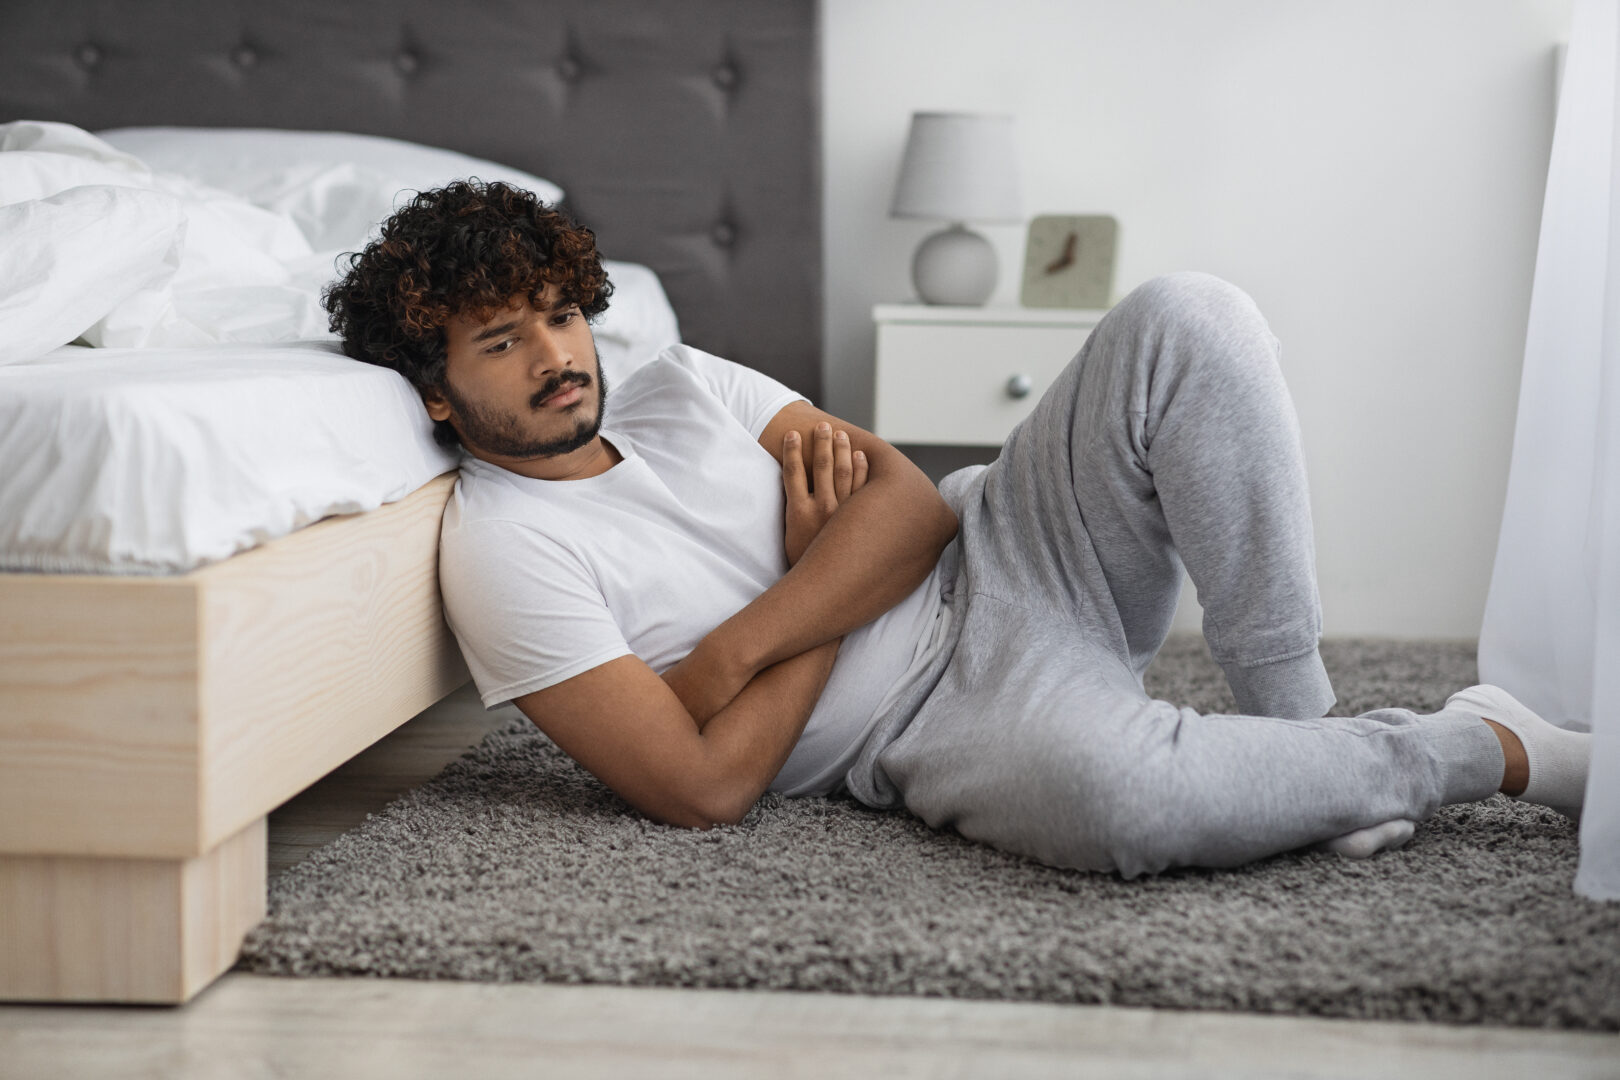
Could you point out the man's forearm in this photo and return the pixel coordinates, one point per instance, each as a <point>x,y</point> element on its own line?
<point>750,739</point>
<point>879,547</point>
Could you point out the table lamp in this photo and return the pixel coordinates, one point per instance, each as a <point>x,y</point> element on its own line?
<point>958,167</point>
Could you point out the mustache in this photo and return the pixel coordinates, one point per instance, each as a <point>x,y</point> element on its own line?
<point>567,378</point>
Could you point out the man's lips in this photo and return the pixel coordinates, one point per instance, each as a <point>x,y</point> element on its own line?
<point>566,396</point>
<point>563,396</point>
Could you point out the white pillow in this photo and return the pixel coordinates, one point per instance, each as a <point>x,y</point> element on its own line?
<point>338,187</point>
<point>638,324</point>
<point>71,258</point>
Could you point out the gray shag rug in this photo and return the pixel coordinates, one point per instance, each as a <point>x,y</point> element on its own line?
<point>516,865</point>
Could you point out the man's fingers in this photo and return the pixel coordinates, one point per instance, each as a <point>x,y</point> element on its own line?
<point>821,462</point>
<point>843,466</point>
<point>793,480</point>
<point>859,466</point>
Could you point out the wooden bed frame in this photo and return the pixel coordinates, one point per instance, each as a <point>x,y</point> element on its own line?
<point>152,723</point>
<point>148,725</point>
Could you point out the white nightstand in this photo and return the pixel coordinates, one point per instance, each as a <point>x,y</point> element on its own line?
<point>960,376</point>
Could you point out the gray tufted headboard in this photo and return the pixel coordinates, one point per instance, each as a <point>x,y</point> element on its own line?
<point>686,134</point>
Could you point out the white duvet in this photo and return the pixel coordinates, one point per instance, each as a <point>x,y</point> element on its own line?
<point>169,391</point>
<point>159,460</point>
<point>218,270</point>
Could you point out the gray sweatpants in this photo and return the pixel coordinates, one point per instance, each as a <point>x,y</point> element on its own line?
<point>1169,440</point>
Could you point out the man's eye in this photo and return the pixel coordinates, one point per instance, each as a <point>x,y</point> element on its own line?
<point>563,318</point>
<point>504,346</point>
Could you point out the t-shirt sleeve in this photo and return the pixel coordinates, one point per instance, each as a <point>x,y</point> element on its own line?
<point>753,397</point>
<point>526,611</point>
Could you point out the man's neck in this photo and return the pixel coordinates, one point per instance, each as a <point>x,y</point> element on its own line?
<point>593,459</point>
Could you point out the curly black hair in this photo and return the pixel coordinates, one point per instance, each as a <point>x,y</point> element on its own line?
<point>464,249</point>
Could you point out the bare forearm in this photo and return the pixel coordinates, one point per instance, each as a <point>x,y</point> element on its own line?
<point>866,557</point>
<point>749,740</point>
<point>878,548</point>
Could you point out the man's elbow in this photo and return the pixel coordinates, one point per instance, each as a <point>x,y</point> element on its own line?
<point>726,812</point>
<point>706,822</point>
<point>699,822</point>
<point>925,509</point>
<point>946,522</point>
<point>938,522</point>
<point>939,518</point>
<point>707,809</point>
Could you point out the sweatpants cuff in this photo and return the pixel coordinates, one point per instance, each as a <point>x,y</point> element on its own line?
<point>1469,753</point>
<point>1296,689</point>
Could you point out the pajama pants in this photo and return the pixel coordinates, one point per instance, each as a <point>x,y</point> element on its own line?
<point>1169,440</point>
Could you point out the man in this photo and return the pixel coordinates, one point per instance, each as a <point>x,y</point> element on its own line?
<point>711,588</point>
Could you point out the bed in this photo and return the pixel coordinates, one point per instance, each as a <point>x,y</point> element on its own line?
<point>153,713</point>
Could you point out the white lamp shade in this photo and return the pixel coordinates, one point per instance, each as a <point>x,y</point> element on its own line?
<point>959,167</point>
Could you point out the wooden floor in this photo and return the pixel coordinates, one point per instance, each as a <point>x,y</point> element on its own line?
<point>250,1026</point>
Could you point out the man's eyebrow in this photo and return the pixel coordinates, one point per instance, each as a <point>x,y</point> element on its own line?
<point>494,331</point>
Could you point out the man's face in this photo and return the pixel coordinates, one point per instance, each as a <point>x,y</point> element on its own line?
<point>524,384</point>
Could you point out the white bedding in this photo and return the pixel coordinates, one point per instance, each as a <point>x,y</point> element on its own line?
<point>237,419</point>
<point>159,460</point>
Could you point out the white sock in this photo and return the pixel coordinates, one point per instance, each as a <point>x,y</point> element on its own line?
<point>1559,759</point>
<point>1364,842</point>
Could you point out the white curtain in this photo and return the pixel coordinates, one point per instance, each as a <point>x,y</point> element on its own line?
<point>1551,634</point>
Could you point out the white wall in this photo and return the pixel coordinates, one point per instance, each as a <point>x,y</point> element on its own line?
<point>1371,172</point>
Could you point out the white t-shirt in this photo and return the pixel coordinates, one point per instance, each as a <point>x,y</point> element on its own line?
<point>545,579</point>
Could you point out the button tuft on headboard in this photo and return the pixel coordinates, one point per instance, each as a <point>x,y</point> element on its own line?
<point>407,62</point>
<point>245,56</point>
<point>569,69</point>
<point>724,234</point>
<point>726,76</point>
<point>88,55</point>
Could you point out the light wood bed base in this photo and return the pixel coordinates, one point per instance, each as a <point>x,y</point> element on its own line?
<point>149,724</point>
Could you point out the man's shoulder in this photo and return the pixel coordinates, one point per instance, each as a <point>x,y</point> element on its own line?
<point>671,371</point>
<point>749,396</point>
<point>679,364</point>
<point>687,362</point>
<point>502,554</point>
<point>486,507</point>
<point>683,381</point>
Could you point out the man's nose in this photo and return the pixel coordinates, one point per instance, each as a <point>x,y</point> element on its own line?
<point>553,354</point>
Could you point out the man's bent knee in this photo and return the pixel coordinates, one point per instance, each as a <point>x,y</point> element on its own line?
<point>1185,289</point>
<point>1189,298</point>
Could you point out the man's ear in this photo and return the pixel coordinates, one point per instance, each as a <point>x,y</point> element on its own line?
<point>438,406</point>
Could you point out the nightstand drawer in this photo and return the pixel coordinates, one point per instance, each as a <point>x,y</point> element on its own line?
<point>957,385</point>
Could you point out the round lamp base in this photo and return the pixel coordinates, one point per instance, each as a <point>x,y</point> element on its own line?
<point>954,266</point>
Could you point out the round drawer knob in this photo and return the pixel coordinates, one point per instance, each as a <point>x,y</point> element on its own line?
<point>1019,386</point>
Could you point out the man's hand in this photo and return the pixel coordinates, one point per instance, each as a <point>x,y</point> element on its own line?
<point>706,679</point>
<point>811,502</point>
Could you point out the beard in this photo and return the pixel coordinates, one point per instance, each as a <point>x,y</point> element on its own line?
<point>500,433</point>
